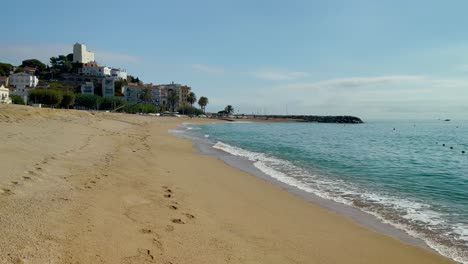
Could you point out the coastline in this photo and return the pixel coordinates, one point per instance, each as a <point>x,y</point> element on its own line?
<point>124,190</point>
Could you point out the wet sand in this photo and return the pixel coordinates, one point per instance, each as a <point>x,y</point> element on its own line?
<point>80,187</point>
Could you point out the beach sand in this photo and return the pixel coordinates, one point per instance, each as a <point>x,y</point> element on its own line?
<point>81,187</point>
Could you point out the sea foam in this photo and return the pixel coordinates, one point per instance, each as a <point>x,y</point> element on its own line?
<point>414,217</point>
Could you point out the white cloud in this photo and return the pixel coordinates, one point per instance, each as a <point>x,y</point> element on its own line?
<point>390,96</point>
<point>215,70</point>
<point>279,75</point>
<point>357,82</point>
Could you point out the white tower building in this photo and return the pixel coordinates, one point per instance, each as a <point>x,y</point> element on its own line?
<point>81,55</point>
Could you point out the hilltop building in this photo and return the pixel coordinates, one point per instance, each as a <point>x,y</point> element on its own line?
<point>108,87</point>
<point>119,73</point>
<point>22,80</point>
<point>94,69</point>
<point>87,88</point>
<point>81,54</point>
<point>4,95</point>
<point>22,84</point>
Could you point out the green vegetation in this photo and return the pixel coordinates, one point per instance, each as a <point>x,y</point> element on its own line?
<point>68,99</point>
<point>35,63</point>
<point>118,87</point>
<point>16,99</point>
<point>108,103</point>
<point>190,110</point>
<point>88,101</point>
<point>172,100</point>
<point>132,79</point>
<point>63,87</point>
<point>229,109</point>
<point>5,69</point>
<point>146,95</point>
<point>141,108</point>
<point>48,97</point>
<point>203,102</point>
<point>60,64</point>
<point>192,98</point>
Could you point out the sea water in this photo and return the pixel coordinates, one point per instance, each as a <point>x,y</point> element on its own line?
<point>410,174</point>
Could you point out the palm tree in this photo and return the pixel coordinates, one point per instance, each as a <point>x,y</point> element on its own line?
<point>192,98</point>
<point>172,99</point>
<point>203,101</point>
<point>229,109</point>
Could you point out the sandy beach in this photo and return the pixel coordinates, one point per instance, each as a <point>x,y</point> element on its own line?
<point>81,187</point>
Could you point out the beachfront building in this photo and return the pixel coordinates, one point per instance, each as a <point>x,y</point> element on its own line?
<point>120,74</point>
<point>160,94</point>
<point>4,81</point>
<point>108,87</point>
<point>94,69</point>
<point>23,80</point>
<point>182,92</point>
<point>81,54</point>
<point>4,95</point>
<point>87,88</point>
<point>132,92</point>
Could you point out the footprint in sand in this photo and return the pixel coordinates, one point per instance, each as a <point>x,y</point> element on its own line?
<point>167,195</point>
<point>146,231</point>
<point>178,221</point>
<point>6,191</point>
<point>169,228</point>
<point>173,207</point>
<point>27,178</point>
<point>189,216</point>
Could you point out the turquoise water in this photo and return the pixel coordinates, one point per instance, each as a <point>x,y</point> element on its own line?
<point>400,172</point>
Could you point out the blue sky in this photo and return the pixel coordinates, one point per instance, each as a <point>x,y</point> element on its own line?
<point>373,59</point>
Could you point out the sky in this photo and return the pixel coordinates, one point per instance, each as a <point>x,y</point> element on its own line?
<point>373,59</point>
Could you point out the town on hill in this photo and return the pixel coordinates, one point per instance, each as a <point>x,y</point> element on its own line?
<point>77,80</point>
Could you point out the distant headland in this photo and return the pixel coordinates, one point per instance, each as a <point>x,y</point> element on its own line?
<point>305,118</point>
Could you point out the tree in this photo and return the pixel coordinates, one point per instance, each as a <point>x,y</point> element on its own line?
<point>68,99</point>
<point>16,99</point>
<point>146,95</point>
<point>35,63</point>
<point>192,98</point>
<point>5,69</point>
<point>61,65</point>
<point>190,110</point>
<point>51,98</point>
<point>203,102</point>
<point>141,108</point>
<point>62,86</point>
<point>109,103</point>
<point>229,109</point>
<point>172,99</point>
<point>88,101</point>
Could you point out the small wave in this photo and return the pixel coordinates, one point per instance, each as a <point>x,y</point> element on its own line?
<point>414,217</point>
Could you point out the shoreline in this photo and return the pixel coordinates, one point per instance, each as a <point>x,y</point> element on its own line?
<point>358,216</point>
<point>116,188</point>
